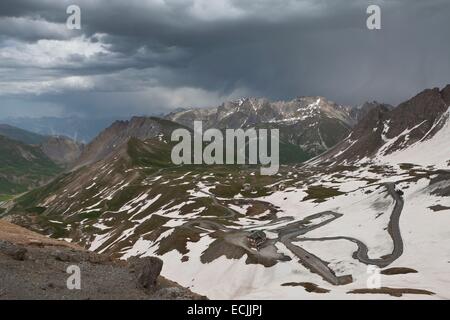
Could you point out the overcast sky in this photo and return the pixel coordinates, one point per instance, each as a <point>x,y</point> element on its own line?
<point>140,57</point>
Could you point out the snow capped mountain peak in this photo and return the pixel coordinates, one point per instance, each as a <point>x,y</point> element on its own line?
<point>313,123</point>
<point>315,104</point>
<point>261,110</point>
<point>241,101</point>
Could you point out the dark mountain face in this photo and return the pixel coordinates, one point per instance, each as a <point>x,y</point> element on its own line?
<point>421,111</point>
<point>361,111</point>
<point>383,130</point>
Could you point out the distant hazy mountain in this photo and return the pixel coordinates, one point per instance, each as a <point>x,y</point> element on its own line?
<point>79,129</point>
<point>60,149</point>
<point>29,160</point>
<point>23,166</point>
<point>21,135</point>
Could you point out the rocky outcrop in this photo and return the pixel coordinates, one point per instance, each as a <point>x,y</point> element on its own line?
<point>146,270</point>
<point>15,252</point>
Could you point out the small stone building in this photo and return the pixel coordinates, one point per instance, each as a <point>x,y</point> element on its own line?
<point>256,239</point>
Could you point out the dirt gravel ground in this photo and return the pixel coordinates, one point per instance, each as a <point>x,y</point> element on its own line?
<point>15,234</point>
<point>35,267</point>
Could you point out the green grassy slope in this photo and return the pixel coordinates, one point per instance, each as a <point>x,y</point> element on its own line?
<point>23,167</point>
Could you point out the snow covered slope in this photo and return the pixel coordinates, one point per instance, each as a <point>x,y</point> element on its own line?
<point>432,150</point>
<point>414,132</point>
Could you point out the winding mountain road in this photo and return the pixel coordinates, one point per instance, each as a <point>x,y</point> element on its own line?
<point>291,232</point>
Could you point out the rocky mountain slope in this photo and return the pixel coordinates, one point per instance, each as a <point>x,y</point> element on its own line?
<point>120,132</point>
<point>62,150</point>
<point>386,133</point>
<point>314,124</point>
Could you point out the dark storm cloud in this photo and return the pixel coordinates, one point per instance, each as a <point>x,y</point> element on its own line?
<point>150,56</point>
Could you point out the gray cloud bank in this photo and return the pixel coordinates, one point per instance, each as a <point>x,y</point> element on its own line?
<point>148,57</point>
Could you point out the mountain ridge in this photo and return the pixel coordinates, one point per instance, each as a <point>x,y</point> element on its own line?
<point>21,135</point>
<point>314,124</point>
<point>120,132</point>
<point>384,131</point>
